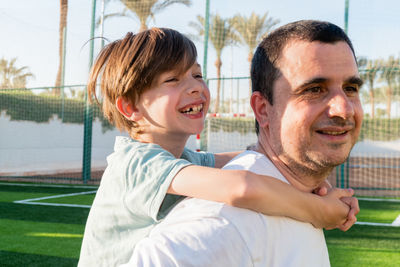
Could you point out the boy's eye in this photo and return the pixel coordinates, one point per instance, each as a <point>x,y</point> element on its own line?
<point>172,79</point>
<point>198,76</point>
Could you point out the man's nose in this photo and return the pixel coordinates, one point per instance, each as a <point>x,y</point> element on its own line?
<point>340,105</point>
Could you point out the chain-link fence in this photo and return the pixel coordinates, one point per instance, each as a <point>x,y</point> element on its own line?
<point>50,133</point>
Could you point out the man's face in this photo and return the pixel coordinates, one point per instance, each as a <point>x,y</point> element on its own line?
<point>316,114</point>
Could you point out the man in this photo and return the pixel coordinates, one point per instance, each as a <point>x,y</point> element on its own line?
<point>308,117</point>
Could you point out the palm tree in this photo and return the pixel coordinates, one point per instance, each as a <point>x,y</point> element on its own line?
<point>221,35</point>
<point>11,76</point>
<point>252,29</point>
<point>61,29</point>
<point>145,10</point>
<point>369,70</point>
<point>389,75</point>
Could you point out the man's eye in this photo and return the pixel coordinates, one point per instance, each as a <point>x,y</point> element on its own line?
<point>198,76</point>
<point>314,89</point>
<point>351,89</point>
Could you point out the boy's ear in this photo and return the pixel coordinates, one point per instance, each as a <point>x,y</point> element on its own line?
<point>261,107</point>
<point>126,108</point>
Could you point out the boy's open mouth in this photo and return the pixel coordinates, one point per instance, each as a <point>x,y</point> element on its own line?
<point>192,109</point>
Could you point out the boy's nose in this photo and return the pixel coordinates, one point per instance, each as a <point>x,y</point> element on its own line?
<point>196,87</point>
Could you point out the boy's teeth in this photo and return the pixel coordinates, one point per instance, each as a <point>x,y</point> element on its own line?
<point>193,110</point>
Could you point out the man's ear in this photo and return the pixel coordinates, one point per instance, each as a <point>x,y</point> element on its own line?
<point>126,108</point>
<point>260,106</point>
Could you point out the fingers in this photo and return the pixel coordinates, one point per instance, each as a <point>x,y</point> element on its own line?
<point>321,191</point>
<point>352,202</point>
<point>342,193</point>
<point>349,223</point>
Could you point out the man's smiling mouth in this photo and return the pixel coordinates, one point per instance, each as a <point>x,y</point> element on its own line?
<point>332,132</point>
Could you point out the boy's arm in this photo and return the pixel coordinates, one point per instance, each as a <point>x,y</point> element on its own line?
<point>263,194</point>
<point>221,159</point>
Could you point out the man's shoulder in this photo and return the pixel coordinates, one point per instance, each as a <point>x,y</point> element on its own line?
<point>200,209</point>
<point>255,162</point>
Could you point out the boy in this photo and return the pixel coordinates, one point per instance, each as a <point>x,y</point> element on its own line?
<point>152,87</point>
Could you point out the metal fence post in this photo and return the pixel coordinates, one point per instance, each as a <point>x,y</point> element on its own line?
<point>63,73</point>
<point>88,121</point>
<point>206,29</point>
<point>344,176</point>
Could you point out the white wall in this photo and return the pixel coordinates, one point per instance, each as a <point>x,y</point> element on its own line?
<point>28,148</point>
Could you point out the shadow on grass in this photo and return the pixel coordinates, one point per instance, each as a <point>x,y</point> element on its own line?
<point>39,213</point>
<point>12,259</point>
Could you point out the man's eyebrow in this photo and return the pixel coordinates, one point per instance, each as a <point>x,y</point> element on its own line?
<point>313,81</point>
<point>317,80</point>
<point>355,80</point>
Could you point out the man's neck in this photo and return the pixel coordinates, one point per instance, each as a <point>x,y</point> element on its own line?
<point>301,178</point>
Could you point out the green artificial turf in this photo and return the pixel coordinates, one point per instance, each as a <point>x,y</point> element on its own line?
<point>37,235</point>
<point>388,211</point>
<point>364,246</point>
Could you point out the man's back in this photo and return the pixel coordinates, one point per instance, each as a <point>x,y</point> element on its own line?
<point>205,233</point>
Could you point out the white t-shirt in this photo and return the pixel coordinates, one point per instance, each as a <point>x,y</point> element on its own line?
<point>205,233</point>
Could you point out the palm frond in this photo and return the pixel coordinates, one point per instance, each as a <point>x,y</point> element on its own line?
<point>164,4</point>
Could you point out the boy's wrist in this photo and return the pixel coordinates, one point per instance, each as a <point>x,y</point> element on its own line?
<point>316,210</point>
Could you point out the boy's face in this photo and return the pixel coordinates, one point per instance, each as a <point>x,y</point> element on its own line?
<point>175,104</point>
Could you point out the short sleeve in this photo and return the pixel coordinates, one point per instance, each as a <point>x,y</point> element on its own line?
<point>199,158</point>
<point>149,175</point>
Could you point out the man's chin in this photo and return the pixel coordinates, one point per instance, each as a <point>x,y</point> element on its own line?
<point>331,162</point>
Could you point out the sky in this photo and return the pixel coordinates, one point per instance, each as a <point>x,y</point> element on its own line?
<point>29,30</point>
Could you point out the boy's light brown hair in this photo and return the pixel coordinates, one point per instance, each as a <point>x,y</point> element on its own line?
<point>130,66</point>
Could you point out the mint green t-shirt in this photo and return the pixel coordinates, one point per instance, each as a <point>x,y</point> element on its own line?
<point>131,199</point>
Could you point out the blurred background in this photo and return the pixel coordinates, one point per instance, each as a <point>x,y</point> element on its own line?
<point>33,32</point>
<point>49,131</point>
<point>54,144</point>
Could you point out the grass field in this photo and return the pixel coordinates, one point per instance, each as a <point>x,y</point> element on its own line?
<point>33,233</point>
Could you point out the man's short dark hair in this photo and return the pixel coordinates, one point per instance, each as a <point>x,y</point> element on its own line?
<point>264,70</point>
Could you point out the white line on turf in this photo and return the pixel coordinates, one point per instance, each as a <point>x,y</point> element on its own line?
<point>378,199</point>
<point>56,204</point>
<point>50,185</point>
<point>31,201</point>
<point>55,196</point>
<point>397,221</point>
<point>377,224</point>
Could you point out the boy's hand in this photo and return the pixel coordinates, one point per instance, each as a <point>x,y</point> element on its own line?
<point>351,202</point>
<point>351,217</point>
<point>335,211</point>
<point>323,188</point>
